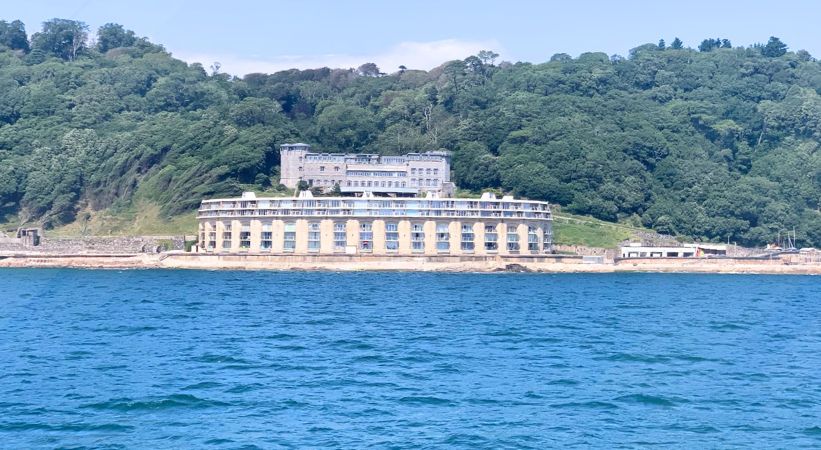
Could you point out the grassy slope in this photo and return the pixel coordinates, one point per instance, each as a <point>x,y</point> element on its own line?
<point>589,232</point>
<point>143,218</point>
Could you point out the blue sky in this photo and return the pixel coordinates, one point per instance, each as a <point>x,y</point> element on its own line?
<point>265,36</point>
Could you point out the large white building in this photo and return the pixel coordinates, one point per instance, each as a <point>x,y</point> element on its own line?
<point>368,225</point>
<point>406,175</point>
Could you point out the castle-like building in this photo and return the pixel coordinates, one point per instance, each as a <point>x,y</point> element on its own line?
<point>389,205</point>
<point>406,175</point>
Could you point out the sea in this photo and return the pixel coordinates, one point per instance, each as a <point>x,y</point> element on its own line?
<point>245,360</point>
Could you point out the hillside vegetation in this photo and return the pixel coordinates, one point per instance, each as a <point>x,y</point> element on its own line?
<point>715,143</point>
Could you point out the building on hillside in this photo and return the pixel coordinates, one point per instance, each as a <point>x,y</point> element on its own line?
<point>637,250</point>
<point>369,225</point>
<point>406,175</point>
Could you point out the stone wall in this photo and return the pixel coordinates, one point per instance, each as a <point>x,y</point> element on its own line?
<point>99,245</point>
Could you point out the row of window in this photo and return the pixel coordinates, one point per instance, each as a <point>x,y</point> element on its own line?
<point>377,184</point>
<point>366,237</point>
<point>379,173</point>
<point>425,171</point>
<point>374,203</point>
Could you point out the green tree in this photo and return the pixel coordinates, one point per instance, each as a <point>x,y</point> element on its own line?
<point>677,44</point>
<point>774,48</point>
<point>13,35</point>
<point>112,35</point>
<point>62,38</point>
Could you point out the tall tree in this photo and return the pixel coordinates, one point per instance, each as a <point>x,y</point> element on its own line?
<point>368,70</point>
<point>61,37</point>
<point>662,45</point>
<point>774,48</point>
<point>13,35</point>
<point>488,57</point>
<point>113,35</point>
<point>677,44</point>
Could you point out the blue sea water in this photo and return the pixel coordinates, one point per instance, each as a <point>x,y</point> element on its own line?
<point>199,359</point>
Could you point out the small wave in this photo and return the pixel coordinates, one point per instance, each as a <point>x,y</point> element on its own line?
<point>238,389</point>
<point>280,337</point>
<point>562,382</point>
<point>172,401</point>
<point>223,359</point>
<point>629,357</point>
<point>426,400</point>
<point>292,348</point>
<point>590,405</point>
<point>79,427</point>
<point>202,385</point>
<point>813,431</point>
<point>729,326</point>
<point>352,344</point>
<point>645,399</point>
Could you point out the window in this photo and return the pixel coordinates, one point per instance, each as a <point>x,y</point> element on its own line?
<point>289,238</point>
<point>340,238</point>
<point>532,239</point>
<point>391,236</point>
<point>413,171</point>
<point>417,237</point>
<point>321,168</point>
<point>365,236</point>
<point>427,171</point>
<point>512,239</point>
<point>212,240</point>
<point>413,181</point>
<point>548,239</point>
<point>491,238</point>
<point>267,236</point>
<point>436,171</point>
<point>313,237</point>
<point>442,237</point>
<point>467,237</point>
<point>245,237</point>
<point>336,169</point>
<point>226,236</point>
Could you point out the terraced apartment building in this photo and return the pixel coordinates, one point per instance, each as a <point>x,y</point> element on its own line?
<point>369,225</point>
<point>405,175</point>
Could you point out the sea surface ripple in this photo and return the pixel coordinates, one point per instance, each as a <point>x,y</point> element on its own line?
<point>201,359</point>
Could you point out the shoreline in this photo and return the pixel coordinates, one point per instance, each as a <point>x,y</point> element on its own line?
<point>344,263</point>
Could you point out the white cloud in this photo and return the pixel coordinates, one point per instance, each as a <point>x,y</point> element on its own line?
<point>413,55</point>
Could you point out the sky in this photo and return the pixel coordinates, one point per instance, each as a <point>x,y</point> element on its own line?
<point>267,36</point>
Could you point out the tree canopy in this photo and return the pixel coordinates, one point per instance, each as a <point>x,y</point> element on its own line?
<point>713,145</point>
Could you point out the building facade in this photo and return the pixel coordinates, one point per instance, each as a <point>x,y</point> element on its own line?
<point>409,174</point>
<point>375,226</point>
<point>637,250</point>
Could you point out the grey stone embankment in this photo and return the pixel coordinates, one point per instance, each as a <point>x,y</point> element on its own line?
<point>545,264</point>
<point>96,245</point>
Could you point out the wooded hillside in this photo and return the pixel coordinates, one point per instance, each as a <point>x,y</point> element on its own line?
<point>712,143</point>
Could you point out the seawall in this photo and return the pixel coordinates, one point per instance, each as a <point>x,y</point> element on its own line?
<point>522,263</point>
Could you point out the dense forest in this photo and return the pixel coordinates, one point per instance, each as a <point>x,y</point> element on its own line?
<point>713,143</point>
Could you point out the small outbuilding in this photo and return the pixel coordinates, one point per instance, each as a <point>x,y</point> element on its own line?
<point>637,250</point>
